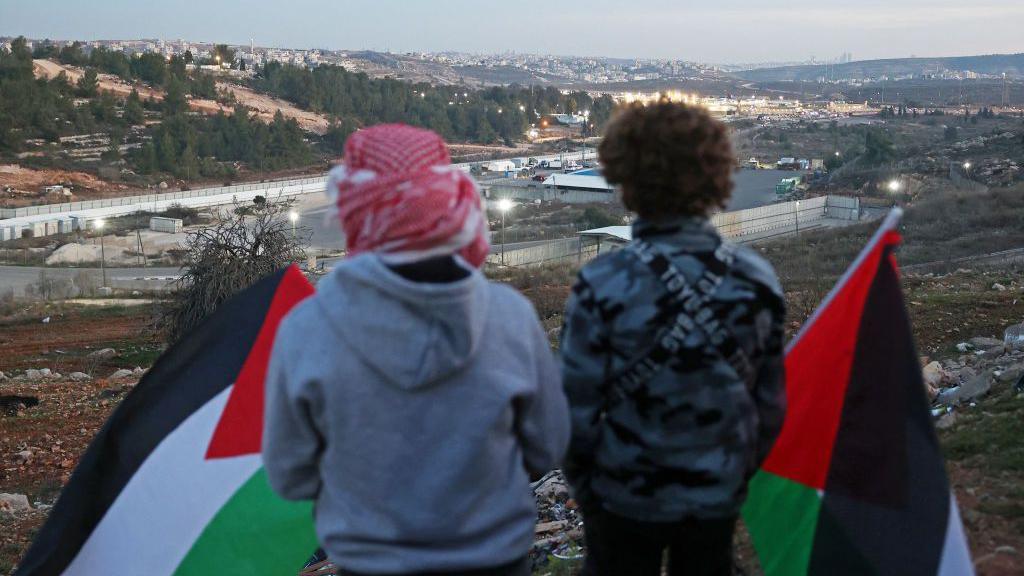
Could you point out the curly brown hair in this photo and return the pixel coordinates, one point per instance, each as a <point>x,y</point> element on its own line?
<point>669,160</point>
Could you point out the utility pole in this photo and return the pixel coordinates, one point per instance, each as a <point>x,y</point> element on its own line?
<point>504,205</point>
<point>98,225</point>
<point>142,249</point>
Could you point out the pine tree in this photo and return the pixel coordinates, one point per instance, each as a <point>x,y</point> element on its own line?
<point>133,111</point>
<point>167,152</point>
<point>146,161</point>
<point>485,133</point>
<point>188,163</point>
<point>88,84</point>
<point>174,99</point>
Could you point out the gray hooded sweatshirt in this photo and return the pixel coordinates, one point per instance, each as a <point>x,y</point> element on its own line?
<point>412,414</point>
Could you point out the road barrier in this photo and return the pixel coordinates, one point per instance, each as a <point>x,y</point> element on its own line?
<point>50,220</point>
<point>184,195</point>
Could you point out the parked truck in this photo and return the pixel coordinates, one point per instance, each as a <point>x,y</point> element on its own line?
<point>786,186</point>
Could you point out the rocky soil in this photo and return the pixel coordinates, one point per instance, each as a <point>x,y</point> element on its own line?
<point>63,377</point>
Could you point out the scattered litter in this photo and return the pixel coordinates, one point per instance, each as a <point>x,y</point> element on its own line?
<point>559,529</point>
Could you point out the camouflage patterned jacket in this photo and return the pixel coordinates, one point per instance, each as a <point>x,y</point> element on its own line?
<point>685,443</point>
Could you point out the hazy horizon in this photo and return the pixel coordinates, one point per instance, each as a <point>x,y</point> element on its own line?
<point>655,29</point>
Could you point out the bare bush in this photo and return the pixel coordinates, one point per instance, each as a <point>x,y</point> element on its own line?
<point>227,257</point>
<point>87,283</point>
<point>526,277</point>
<point>7,304</point>
<point>50,288</point>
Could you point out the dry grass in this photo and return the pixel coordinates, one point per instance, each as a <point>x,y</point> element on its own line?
<point>941,224</point>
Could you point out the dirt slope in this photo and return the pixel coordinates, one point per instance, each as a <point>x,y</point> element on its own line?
<point>264,106</point>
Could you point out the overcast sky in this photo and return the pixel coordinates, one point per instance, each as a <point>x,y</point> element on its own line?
<point>717,31</point>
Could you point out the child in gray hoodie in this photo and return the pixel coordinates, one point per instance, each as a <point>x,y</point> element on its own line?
<point>410,397</point>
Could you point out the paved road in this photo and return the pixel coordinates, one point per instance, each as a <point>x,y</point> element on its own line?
<point>755,187</point>
<point>314,210</point>
<point>17,278</point>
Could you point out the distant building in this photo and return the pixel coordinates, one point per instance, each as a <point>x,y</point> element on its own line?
<point>600,240</point>
<point>569,119</point>
<point>580,186</point>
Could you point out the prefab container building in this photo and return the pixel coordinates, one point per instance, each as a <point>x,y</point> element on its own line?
<point>169,225</point>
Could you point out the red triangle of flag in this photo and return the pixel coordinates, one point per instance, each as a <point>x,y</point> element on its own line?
<point>818,365</point>
<point>240,429</point>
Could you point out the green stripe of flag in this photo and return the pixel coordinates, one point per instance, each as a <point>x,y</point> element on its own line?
<point>255,533</point>
<point>781,516</point>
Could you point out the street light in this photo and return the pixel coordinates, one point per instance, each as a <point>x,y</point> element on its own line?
<point>504,205</point>
<point>294,217</point>
<point>967,165</point>
<point>894,185</point>
<point>796,215</point>
<point>98,224</point>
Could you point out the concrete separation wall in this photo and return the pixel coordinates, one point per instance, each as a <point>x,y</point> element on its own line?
<point>748,225</point>
<point>180,197</point>
<point>542,253</point>
<point>765,218</point>
<point>52,219</point>
<point>533,191</point>
<point>797,214</point>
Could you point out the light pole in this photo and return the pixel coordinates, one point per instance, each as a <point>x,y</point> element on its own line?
<point>504,205</point>
<point>98,225</point>
<point>796,216</point>
<point>294,217</point>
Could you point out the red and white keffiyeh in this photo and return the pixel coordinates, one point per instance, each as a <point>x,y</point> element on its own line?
<point>399,195</point>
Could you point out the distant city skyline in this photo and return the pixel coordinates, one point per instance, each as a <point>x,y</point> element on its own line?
<point>737,31</point>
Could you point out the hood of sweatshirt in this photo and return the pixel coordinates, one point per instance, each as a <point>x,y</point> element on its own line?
<point>411,333</point>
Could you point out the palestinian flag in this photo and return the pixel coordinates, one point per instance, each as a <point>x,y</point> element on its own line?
<point>174,482</point>
<point>855,483</point>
